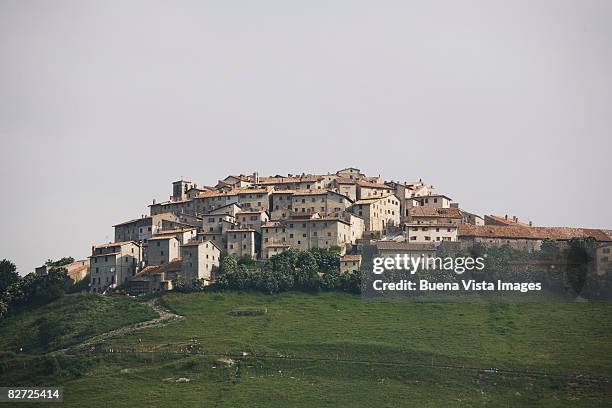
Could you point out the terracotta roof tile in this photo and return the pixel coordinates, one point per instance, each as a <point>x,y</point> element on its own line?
<point>519,231</point>
<point>405,246</point>
<point>435,212</point>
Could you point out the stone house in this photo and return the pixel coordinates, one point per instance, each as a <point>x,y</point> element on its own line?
<point>367,189</point>
<point>112,264</point>
<point>325,202</point>
<point>141,229</point>
<point>435,200</point>
<point>414,250</point>
<point>379,213</point>
<point>350,263</point>
<point>524,238</point>
<point>200,260</point>
<point>425,233</point>
<point>161,249</point>
<point>243,242</point>
<point>280,204</point>
<point>433,215</point>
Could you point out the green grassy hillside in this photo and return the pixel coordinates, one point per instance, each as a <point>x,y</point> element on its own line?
<point>329,349</point>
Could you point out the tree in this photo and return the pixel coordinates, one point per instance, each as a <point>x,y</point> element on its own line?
<point>60,262</point>
<point>227,264</point>
<point>580,255</point>
<point>268,281</point>
<point>246,260</point>
<point>8,275</point>
<point>549,250</point>
<point>306,273</point>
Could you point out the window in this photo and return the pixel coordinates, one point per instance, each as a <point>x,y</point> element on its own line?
<point>303,235</point>
<point>413,238</point>
<point>427,238</point>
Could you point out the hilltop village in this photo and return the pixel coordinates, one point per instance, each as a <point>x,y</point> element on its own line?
<point>258,217</point>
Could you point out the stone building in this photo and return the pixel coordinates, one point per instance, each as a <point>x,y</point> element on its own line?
<point>346,187</point>
<point>524,238</point>
<point>251,199</point>
<point>505,220</point>
<point>351,173</point>
<point>350,263</point>
<point>154,279</point>
<point>207,202</point>
<point>180,189</point>
<point>434,215</point>
<point>325,202</point>
<point>183,235</point>
<point>414,250</point>
<point>425,233</point>
<point>141,229</point>
<point>161,249</point>
<point>112,264</point>
<point>379,213</point>
<point>243,242</point>
<point>76,271</point>
<point>252,219</point>
<point>273,249</point>
<point>435,200</point>
<point>280,204</point>
<point>367,189</point>
<point>200,260</point>
<point>218,223</point>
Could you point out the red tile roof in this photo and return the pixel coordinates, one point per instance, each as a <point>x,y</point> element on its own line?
<point>523,232</point>
<point>435,212</point>
<point>404,246</point>
<point>350,258</point>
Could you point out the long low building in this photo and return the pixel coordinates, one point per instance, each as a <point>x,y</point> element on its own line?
<point>525,237</point>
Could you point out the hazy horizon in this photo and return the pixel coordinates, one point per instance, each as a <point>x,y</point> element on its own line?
<point>506,107</point>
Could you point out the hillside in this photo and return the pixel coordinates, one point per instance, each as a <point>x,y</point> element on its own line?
<point>328,349</point>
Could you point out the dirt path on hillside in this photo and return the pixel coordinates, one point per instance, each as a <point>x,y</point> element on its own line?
<point>165,317</point>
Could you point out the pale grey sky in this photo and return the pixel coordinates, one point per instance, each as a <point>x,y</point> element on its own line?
<point>506,106</point>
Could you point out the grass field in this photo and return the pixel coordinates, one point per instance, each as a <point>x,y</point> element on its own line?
<point>328,349</point>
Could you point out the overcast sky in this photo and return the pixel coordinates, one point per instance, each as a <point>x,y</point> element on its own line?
<point>506,106</point>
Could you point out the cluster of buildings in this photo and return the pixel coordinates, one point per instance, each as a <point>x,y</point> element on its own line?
<point>259,217</point>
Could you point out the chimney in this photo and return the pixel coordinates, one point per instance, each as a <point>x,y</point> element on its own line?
<point>255,177</point>
<point>153,201</point>
<point>530,224</point>
<point>506,216</point>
